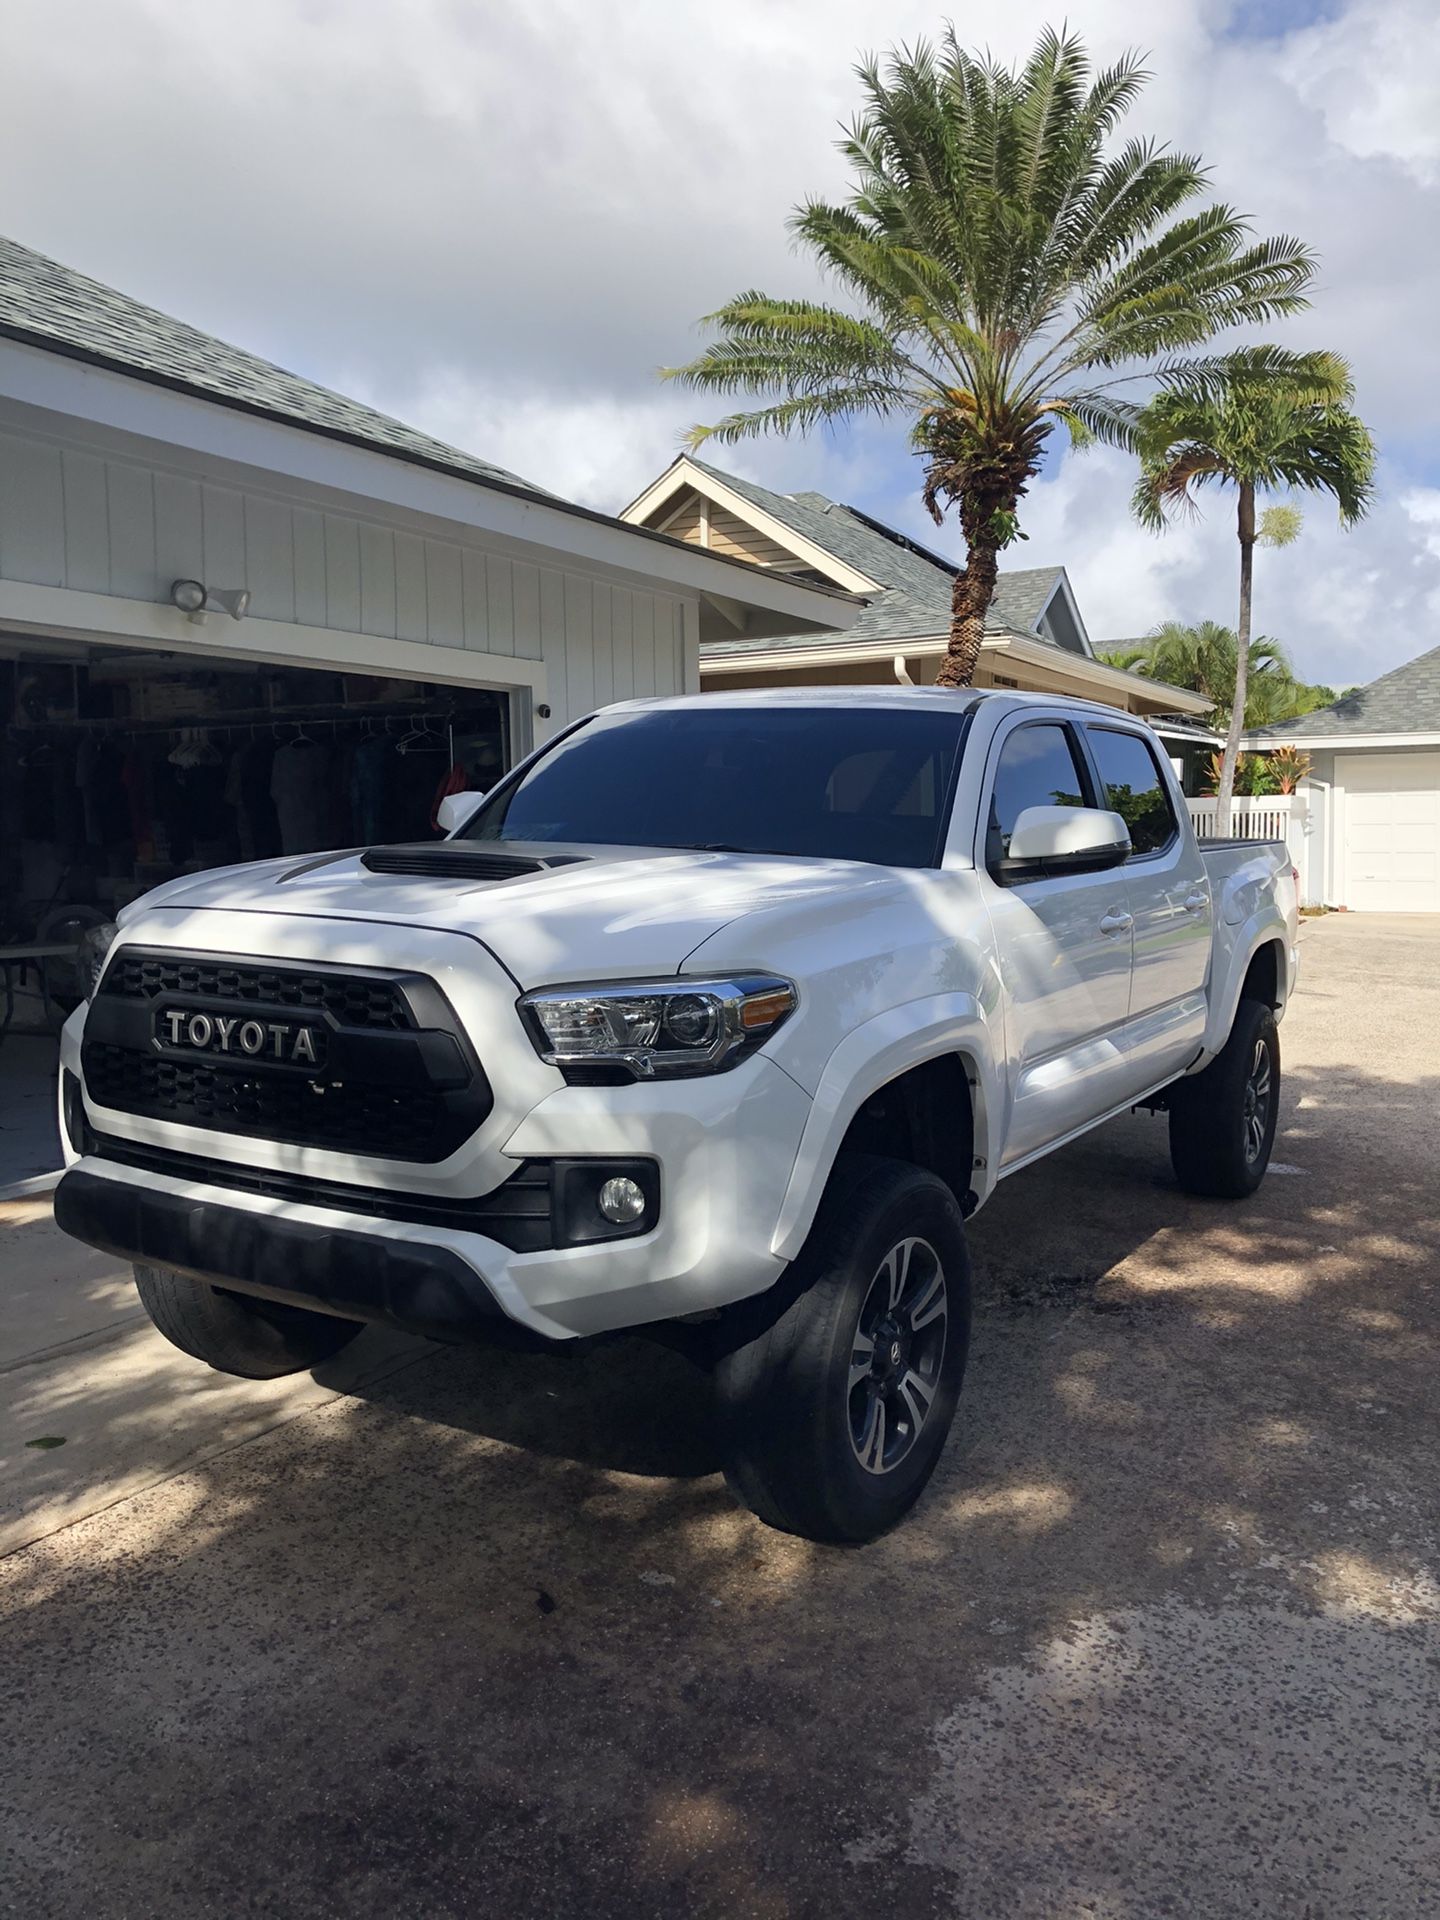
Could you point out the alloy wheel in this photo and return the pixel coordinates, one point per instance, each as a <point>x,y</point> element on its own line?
<point>1256,1106</point>
<point>897,1355</point>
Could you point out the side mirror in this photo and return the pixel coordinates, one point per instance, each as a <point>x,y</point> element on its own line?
<point>1053,840</point>
<point>455,810</point>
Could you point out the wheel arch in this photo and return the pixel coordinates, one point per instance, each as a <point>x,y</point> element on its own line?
<point>1256,967</point>
<point>930,1095</point>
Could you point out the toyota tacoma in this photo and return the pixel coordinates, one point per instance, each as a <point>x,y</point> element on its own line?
<point>716,1018</point>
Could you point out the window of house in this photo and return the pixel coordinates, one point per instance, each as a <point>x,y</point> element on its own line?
<point>1037,768</point>
<point>1134,787</point>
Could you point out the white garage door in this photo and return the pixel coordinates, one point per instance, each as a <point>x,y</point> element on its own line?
<point>1392,832</point>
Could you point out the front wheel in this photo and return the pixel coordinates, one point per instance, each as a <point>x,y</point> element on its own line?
<point>1222,1121</point>
<point>257,1339</point>
<point>835,1413</point>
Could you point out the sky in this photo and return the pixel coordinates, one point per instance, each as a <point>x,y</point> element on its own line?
<point>497,221</point>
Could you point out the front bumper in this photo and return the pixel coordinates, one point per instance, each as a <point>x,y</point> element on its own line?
<point>724,1149</point>
<point>357,1275</point>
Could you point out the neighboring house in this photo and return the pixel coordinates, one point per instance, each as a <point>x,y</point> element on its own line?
<point>1374,791</point>
<point>1035,638</point>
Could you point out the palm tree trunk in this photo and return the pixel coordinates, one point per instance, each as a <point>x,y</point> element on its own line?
<point>970,599</point>
<point>1245,526</point>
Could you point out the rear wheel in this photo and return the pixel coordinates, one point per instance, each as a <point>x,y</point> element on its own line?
<point>1222,1121</point>
<point>835,1412</point>
<point>257,1339</point>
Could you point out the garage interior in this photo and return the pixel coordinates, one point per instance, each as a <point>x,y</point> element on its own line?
<point>123,767</point>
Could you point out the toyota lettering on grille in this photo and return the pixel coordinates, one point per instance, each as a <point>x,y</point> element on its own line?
<point>288,1041</point>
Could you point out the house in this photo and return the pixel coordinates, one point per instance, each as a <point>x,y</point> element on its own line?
<point>1373,793</point>
<point>206,560</point>
<point>1035,638</point>
<point>241,614</point>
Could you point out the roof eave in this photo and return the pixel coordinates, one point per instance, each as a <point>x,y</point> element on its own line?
<point>770,601</point>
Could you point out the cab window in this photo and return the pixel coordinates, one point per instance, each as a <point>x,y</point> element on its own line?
<point>1037,768</point>
<point>1134,787</point>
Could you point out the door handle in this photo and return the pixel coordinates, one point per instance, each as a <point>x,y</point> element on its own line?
<point>1196,902</point>
<point>1116,923</point>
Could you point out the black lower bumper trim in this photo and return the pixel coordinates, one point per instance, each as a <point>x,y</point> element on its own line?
<point>360,1276</point>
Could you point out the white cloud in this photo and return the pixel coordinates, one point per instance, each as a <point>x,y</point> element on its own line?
<point>499,221</point>
<point>1373,74</point>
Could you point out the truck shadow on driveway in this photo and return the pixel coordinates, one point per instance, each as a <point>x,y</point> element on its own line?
<point>1098,1229</point>
<point>488,1635</point>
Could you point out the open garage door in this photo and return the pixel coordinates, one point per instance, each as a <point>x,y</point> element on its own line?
<point>1392,832</point>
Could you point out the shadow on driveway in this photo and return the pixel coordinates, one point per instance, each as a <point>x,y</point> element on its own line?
<point>488,1635</point>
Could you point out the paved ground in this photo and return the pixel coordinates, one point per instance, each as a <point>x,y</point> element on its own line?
<point>476,1634</point>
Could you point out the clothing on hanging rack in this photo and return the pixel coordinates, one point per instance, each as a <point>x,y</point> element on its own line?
<point>300,786</point>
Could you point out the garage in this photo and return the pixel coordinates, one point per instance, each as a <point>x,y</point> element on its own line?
<point>243,615</point>
<point>1371,800</point>
<point>1392,832</point>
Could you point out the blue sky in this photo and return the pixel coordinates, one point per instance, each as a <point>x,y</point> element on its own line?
<point>498,221</point>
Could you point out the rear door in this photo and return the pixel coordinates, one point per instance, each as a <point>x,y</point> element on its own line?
<point>1169,896</point>
<point>1062,943</point>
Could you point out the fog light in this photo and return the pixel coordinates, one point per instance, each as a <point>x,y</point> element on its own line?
<point>621,1200</point>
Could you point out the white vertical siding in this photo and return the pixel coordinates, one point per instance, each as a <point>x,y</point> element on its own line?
<point>32,513</point>
<point>99,525</point>
<point>134,567</point>
<point>87,522</point>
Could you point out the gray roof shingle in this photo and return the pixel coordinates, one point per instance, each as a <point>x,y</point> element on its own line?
<point>917,584</point>
<point>46,304</point>
<point>1405,700</point>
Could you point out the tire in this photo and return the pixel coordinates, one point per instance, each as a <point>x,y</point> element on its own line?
<point>1222,1121</point>
<point>257,1339</point>
<point>804,1447</point>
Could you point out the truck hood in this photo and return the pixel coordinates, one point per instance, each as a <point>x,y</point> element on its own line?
<point>614,913</point>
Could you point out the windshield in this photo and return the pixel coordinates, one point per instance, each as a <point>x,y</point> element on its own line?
<point>849,783</point>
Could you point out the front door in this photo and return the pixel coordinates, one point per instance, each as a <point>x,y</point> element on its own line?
<point>1169,894</point>
<point>1062,944</point>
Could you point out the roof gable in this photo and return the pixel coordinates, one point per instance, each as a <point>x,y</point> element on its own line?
<point>1405,700</point>
<point>43,303</point>
<point>909,586</point>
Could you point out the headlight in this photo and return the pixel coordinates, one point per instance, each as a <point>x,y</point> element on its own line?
<point>656,1029</point>
<point>90,960</point>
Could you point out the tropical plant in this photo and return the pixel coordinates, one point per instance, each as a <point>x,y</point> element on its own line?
<point>1251,778</point>
<point>1257,435</point>
<point>1007,272</point>
<point>1287,767</point>
<point>1201,657</point>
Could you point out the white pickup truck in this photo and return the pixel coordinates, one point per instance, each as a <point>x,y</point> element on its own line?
<point>716,1018</point>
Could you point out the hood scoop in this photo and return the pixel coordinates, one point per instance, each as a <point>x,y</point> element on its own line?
<point>451,860</point>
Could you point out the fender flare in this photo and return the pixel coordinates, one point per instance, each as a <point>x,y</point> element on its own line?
<point>868,1059</point>
<point>1262,929</point>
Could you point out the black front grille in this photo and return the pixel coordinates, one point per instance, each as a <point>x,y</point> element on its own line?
<point>355,1000</point>
<point>392,1076</point>
<point>347,1119</point>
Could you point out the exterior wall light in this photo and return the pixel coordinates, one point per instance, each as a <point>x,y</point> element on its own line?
<point>188,596</point>
<point>192,597</point>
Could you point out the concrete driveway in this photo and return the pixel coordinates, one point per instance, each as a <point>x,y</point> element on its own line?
<point>461,1633</point>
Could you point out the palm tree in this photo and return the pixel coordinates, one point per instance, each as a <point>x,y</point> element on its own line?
<point>1256,436</point>
<point>1202,658</point>
<point>1006,271</point>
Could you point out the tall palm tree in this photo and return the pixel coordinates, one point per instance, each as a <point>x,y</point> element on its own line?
<point>1202,658</point>
<point>1006,270</point>
<point>1257,436</point>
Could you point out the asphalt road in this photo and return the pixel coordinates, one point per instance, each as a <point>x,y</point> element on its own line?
<point>471,1634</point>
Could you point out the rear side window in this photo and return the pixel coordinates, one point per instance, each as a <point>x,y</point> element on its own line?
<point>1134,787</point>
<point>1037,768</point>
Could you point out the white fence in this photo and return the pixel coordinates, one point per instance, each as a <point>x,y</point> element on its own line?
<point>1272,816</point>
